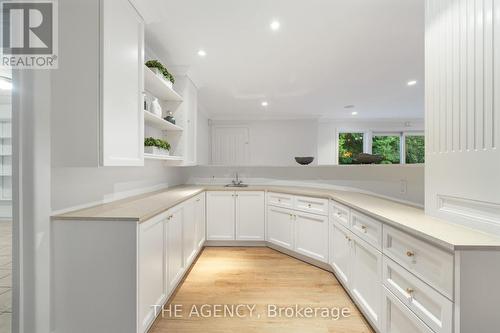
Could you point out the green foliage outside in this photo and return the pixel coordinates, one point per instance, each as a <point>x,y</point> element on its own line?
<point>415,149</point>
<point>159,143</point>
<point>350,145</point>
<point>387,147</point>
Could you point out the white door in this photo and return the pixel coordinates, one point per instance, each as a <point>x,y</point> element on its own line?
<point>189,232</point>
<point>174,248</point>
<point>230,146</point>
<point>122,127</point>
<point>366,278</point>
<point>151,269</point>
<point>397,318</point>
<point>280,228</point>
<point>220,215</point>
<point>311,235</point>
<point>341,252</point>
<point>250,215</point>
<point>200,220</point>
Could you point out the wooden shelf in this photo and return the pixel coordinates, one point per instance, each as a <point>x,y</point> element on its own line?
<point>157,122</point>
<point>162,157</point>
<point>158,88</point>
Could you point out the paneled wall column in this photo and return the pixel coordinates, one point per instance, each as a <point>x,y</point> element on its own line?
<point>463,112</point>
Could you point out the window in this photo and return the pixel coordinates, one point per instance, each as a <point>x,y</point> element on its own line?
<point>415,149</point>
<point>350,145</point>
<point>388,146</point>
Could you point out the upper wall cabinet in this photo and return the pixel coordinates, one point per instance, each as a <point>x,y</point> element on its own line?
<point>97,116</point>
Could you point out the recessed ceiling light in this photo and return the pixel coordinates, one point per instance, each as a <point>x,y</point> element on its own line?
<point>202,53</point>
<point>412,83</point>
<point>264,104</point>
<point>275,25</point>
<point>354,113</point>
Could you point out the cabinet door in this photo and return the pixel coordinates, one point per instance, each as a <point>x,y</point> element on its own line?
<point>200,220</point>
<point>174,248</point>
<point>151,269</point>
<point>122,127</point>
<point>366,278</point>
<point>220,215</point>
<point>311,235</point>
<point>280,227</point>
<point>189,232</point>
<point>397,318</point>
<point>341,251</point>
<point>250,215</point>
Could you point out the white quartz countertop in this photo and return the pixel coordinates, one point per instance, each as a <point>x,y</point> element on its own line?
<point>408,218</point>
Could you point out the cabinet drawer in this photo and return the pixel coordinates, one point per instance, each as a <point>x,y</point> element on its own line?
<point>340,213</point>
<point>312,205</point>
<point>430,306</point>
<point>280,199</point>
<point>367,228</point>
<point>397,318</point>
<point>429,263</point>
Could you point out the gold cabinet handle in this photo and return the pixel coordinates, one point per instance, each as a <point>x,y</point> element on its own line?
<point>410,291</point>
<point>363,228</point>
<point>410,253</point>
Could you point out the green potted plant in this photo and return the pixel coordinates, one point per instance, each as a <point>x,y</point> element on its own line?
<point>160,70</point>
<point>156,146</point>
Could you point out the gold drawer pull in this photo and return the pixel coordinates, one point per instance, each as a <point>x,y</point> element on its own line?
<point>363,228</point>
<point>410,291</point>
<point>410,253</point>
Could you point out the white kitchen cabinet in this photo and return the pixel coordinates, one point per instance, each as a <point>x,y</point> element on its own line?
<point>311,235</point>
<point>122,68</point>
<point>236,215</point>
<point>175,262</point>
<point>190,246</point>
<point>220,215</point>
<point>200,220</point>
<point>341,253</point>
<point>97,118</point>
<point>151,269</point>
<point>397,318</point>
<point>250,215</point>
<point>280,227</point>
<point>366,278</point>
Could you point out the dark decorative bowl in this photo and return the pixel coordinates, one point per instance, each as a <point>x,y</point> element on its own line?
<point>368,158</point>
<point>304,160</point>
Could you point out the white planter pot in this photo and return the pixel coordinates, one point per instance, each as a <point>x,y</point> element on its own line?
<point>160,75</point>
<point>156,151</point>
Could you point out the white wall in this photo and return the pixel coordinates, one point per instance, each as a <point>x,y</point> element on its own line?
<point>72,187</point>
<point>384,180</point>
<point>277,142</point>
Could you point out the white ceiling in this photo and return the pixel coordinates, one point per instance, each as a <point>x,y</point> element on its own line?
<point>326,55</point>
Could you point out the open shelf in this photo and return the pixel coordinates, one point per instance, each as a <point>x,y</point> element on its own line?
<point>158,88</point>
<point>157,122</point>
<point>162,157</point>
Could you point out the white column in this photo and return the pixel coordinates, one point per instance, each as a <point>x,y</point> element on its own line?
<point>463,112</point>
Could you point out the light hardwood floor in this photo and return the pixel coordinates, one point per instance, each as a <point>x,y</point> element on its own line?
<point>260,276</point>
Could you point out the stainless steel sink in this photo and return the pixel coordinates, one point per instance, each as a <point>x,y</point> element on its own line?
<point>236,185</point>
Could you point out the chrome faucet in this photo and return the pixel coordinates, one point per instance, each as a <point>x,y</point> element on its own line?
<point>237,180</point>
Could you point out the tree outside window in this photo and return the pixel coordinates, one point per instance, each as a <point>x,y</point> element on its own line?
<point>387,146</point>
<point>415,149</point>
<point>350,145</point>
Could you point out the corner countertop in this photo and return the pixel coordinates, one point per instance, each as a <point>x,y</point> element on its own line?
<point>408,218</point>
